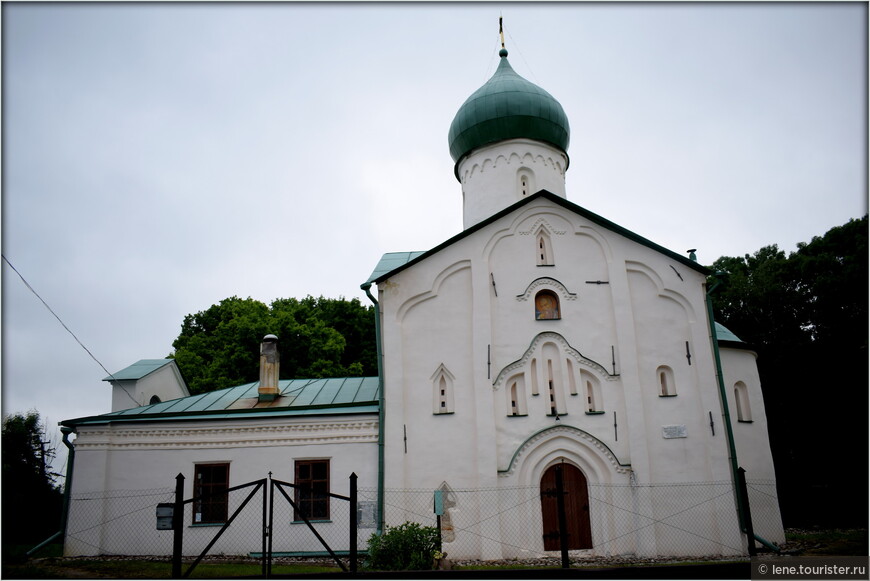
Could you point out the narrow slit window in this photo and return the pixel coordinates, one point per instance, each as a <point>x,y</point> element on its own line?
<point>551,388</point>
<point>592,391</point>
<point>442,391</point>
<point>534,374</point>
<point>543,249</point>
<point>524,183</point>
<point>741,398</point>
<point>572,382</point>
<point>590,397</point>
<point>517,396</point>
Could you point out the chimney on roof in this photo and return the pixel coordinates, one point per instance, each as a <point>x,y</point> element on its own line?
<point>269,363</point>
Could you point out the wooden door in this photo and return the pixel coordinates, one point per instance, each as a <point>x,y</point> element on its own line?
<point>576,508</point>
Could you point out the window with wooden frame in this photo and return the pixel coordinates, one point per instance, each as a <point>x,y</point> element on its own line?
<point>210,484</point>
<point>312,489</point>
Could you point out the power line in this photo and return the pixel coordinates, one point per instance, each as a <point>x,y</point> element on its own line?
<point>27,284</point>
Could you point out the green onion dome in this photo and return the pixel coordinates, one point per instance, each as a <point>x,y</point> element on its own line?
<point>507,106</point>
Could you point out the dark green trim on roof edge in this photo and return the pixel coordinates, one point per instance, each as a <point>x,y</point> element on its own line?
<point>736,345</point>
<point>591,216</point>
<point>369,407</point>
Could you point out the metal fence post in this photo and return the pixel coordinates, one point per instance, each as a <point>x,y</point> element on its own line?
<point>747,514</point>
<point>353,522</point>
<point>271,525</point>
<point>563,521</point>
<point>178,526</point>
<point>266,530</point>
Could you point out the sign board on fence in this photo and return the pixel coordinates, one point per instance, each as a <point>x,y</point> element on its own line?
<point>367,511</point>
<point>165,511</point>
<point>438,509</point>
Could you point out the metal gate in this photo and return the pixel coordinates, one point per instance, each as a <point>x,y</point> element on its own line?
<point>268,520</point>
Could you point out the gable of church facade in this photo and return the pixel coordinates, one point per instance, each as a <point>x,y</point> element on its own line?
<point>624,313</point>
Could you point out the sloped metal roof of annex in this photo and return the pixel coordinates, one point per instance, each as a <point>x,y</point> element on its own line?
<point>139,369</point>
<point>297,397</point>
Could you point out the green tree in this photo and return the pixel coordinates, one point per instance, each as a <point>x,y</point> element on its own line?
<point>806,316</point>
<point>32,500</point>
<point>318,337</point>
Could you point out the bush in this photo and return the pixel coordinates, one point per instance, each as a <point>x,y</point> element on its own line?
<point>407,547</point>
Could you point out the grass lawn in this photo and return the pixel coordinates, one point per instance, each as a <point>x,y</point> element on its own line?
<point>48,564</point>
<point>828,542</point>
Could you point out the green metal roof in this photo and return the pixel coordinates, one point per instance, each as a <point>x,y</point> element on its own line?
<point>336,395</point>
<point>723,334</point>
<point>139,369</point>
<point>507,106</point>
<point>391,261</point>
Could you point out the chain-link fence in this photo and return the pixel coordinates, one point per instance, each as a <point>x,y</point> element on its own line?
<point>121,522</point>
<point>690,519</point>
<point>125,523</point>
<point>686,519</point>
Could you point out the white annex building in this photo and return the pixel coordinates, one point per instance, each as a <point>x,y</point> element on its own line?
<point>543,336</point>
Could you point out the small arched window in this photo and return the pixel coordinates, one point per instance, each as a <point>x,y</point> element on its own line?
<point>741,398</point>
<point>592,393</point>
<point>517,396</point>
<point>524,182</point>
<point>442,391</point>
<point>665,380</point>
<point>547,306</point>
<point>154,399</point>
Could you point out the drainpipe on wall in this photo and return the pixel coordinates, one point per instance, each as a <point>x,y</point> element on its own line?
<point>729,434</point>
<point>67,488</point>
<point>71,456</point>
<point>381,405</point>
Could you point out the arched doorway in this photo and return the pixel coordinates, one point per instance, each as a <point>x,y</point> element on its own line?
<point>576,494</point>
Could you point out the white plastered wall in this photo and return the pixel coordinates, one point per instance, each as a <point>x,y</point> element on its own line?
<point>626,308</point>
<point>492,176</point>
<point>166,383</point>
<point>123,471</point>
<point>752,442</point>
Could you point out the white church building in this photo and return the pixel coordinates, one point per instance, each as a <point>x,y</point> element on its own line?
<point>541,336</point>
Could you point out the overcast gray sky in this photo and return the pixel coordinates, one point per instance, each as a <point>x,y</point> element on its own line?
<point>158,158</point>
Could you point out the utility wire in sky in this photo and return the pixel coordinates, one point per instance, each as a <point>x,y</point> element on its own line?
<point>27,284</point>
